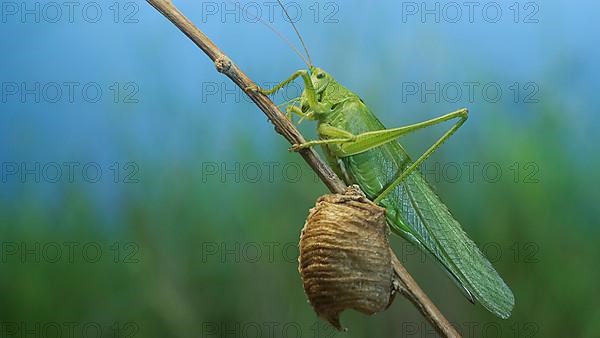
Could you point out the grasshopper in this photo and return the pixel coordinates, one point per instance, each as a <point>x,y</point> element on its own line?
<point>362,151</point>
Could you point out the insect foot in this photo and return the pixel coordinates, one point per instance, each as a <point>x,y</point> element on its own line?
<point>296,147</point>
<point>345,260</point>
<point>252,88</point>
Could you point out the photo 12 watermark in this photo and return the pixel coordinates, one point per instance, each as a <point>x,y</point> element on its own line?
<point>68,329</point>
<point>470,92</point>
<point>225,91</point>
<point>69,172</point>
<point>484,172</point>
<point>470,12</point>
<point>61,12</point>
<point>473,329</point>
<point>54,92</point>
<point>270,11</point>
<point>69,252</point>
<point>271,329</point>
<point>249,252</point>
<point>520,252</point>
<point>255,172</point>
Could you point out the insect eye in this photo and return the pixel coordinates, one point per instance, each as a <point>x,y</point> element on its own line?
<point>320,75</point>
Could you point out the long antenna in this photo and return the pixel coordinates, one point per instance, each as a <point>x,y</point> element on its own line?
<point>297,33</point>
<point>279,34</point>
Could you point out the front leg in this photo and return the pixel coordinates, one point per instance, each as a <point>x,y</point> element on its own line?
<point>311,94</point>
<point>282,84</point>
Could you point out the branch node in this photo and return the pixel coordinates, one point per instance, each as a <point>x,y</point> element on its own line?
<point>223,64</point>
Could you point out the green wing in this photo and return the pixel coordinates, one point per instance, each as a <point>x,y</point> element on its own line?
<point>426,220</point>
<point>416,213</point>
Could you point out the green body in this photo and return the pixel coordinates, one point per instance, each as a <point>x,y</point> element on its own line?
<point>362,151</point>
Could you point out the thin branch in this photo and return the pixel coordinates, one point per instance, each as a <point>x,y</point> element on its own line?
<point>406,284</point>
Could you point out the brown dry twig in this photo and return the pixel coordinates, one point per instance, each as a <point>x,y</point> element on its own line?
<point>405,283</point>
